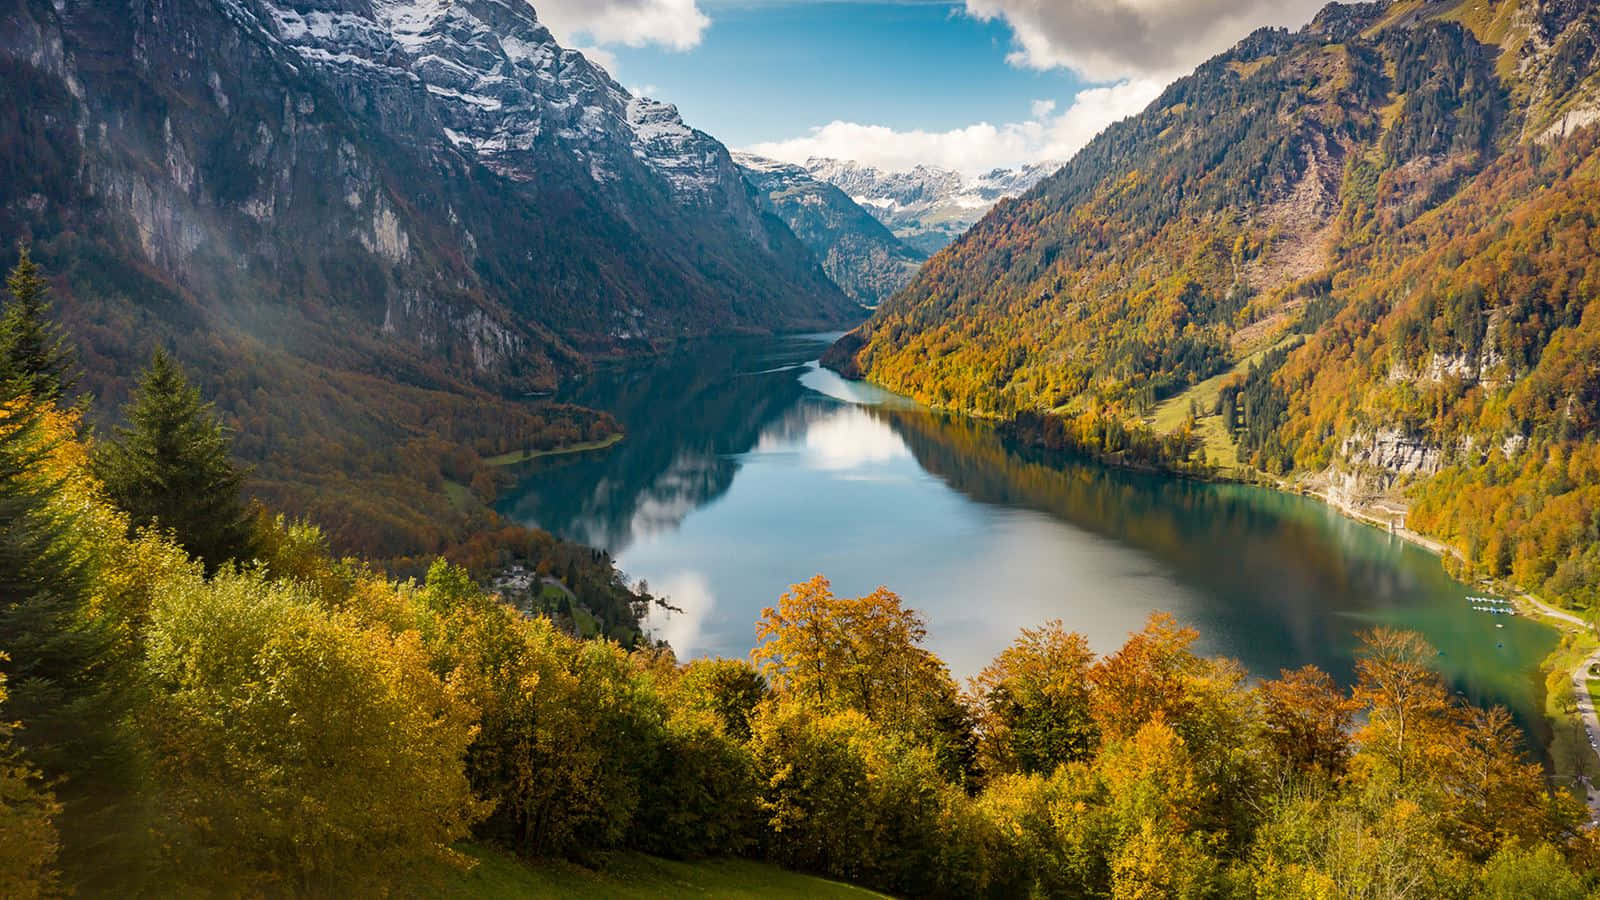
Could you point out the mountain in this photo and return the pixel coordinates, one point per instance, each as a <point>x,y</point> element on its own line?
<point>857,251</point>
<point>367,221</point>
<point>927,207</point>
<point>1357,259</point>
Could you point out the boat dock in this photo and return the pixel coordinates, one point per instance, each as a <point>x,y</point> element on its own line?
<point>1493,605</point>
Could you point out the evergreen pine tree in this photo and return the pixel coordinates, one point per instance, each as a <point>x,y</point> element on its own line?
<point>34,359</point>
<point>67,684</point>
<point>171,467</point>
<point>43,586</point>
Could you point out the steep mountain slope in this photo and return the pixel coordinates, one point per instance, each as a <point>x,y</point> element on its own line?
<point>1397,202</point>
<point>862,256</point>
<point>927,207</point>
<point>355,217</point>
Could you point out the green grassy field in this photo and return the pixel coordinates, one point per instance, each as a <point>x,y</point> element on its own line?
<point>520,456</point>
<point>1170,413</point>
<point>460,495</point>
<point>629,875</point>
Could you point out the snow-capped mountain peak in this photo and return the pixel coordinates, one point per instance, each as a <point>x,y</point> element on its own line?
<point>503,87</point>
<point>927,206</point>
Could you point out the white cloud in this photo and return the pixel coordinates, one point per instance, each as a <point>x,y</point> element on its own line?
<point>976,148</point>
<point>851,440</point>
<point>1042,108</point>
<point>677,24</point>
<point>691,593</point>
<point>1111,40</point>
<point>601,57</point>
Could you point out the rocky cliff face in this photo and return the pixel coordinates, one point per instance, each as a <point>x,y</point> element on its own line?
<point>374,177</point>
<point>857,251</point>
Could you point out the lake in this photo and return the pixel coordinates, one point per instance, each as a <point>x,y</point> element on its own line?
<point>746,468</point>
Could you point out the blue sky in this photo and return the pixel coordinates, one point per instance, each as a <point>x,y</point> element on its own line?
<point>905,66</point>
<point>965,84</point>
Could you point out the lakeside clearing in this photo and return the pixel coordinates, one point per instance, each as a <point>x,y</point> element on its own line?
<point>522,456</point>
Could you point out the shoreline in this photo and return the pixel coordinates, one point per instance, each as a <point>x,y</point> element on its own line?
<point>1562,623</point>
<point>517,457</point>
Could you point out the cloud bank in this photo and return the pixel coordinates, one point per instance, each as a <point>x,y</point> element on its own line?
<point>677,24</point>
<point>1112,40</point>
<point>975,149</point>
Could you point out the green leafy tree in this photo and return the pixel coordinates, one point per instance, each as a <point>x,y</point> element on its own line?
<point>171,468</point>
<point>731,689</point>
<point>1537,873</point>
<point>298,752</point>
<point>34,359</point>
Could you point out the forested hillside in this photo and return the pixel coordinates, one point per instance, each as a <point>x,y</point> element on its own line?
<point>1359,257</point>
<point>371,229</point>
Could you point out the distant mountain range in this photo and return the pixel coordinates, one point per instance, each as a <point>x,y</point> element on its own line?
<point>857,251</point>
<point>927,207</point>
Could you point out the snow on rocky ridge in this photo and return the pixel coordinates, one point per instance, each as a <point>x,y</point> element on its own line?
<point>927,206</point>
<point>502,86</point>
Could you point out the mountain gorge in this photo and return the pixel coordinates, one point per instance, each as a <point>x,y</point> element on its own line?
<point>927,207</point>
<point>395,207</point>
<point>1358,258</point>
<point>857,251</point>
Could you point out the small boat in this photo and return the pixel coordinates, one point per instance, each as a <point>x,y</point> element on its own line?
<point>1499,624</point>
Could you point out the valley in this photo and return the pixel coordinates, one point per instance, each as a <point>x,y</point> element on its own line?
<point>432,465</point>
<point>746,466</point>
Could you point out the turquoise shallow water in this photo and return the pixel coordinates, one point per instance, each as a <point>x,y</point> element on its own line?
<point>747,468</point>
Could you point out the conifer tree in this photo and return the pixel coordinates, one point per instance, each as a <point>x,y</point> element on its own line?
<point>42,578</point>
<point>59,659</point>
<point>34,359</point>
<point>170,467</point>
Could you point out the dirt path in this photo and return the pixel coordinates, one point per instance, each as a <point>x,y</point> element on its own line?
<point>1591,723</point>
<point>1580,686</point>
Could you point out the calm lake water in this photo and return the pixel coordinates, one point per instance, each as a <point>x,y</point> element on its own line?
<point>747,468</point>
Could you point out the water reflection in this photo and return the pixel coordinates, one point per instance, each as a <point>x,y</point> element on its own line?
<point>745,470</point>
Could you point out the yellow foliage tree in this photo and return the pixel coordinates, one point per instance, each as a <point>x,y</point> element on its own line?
<point>28,845</point>
<point>297,749</point>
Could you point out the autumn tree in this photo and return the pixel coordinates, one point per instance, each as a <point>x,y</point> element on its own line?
<point>566,731</point>
<point>1498,796</point>
<point>1147,677</point>
<point>699,798</point>
<point>864,654</point>
<point>730,689</point>
<point>171,467</point>
<point>1308,720</point>
<point>68,685</point>
<point>1519,872</point>
<point>843,796</point>
<point>299,751</point>
<point>1033,702</point>
<point>1407,704</point>
<point>34,358</point>
<point>28,842</point>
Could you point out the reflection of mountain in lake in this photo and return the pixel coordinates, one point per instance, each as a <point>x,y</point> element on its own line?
<point>685,417</point>
<point>744,470</point>
<point>1253,554</point>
